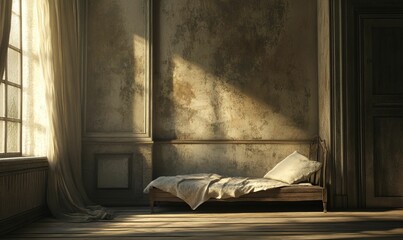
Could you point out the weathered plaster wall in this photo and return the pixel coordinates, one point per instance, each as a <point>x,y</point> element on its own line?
<point>252,160</point>
<point>227,70</point>
<point>115,66</point>
<point>235,70</point>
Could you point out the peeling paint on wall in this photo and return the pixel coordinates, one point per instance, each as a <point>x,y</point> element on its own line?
<point>231,70</point>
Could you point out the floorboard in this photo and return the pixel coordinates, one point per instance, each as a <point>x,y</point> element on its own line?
<point>219,223</point>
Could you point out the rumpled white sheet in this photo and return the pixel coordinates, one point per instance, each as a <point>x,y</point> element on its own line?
<point>195,189</point>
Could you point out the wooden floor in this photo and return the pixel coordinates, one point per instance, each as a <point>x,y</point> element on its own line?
<point>219,222</point>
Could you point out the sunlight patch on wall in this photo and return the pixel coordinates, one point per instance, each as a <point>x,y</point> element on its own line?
<point>209,107</point>
<point>115,93</point>
<point>139,79</point>
<point>248,74</point>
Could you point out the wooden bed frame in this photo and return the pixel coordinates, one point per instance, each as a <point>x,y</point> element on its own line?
<point>316,192</point>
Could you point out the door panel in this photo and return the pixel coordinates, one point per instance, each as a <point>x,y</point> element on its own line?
<point>387,59</point>
<point>387,157</point>
<point>381,111</point>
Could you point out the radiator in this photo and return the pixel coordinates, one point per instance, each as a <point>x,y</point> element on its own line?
<point>23,184</point>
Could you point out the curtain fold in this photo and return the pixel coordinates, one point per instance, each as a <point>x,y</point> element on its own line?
<point>60,58</point>
<point>5,24</point>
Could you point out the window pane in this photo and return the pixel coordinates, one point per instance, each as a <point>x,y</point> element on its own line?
<point>13,137</point>
<point>15,37</point>
<point>16,6</point>
<point>2,136</point>
<point>13,102</point>
<point>14,66</point>
<point>2,100</point>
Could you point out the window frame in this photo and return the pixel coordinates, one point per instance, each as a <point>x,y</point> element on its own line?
<point>6,84</point>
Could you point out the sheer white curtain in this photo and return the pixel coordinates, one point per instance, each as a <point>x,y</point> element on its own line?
<point>5,23</point>
<point>60,57</point>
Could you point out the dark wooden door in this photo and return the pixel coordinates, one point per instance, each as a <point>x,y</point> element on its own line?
<point>381,104</point>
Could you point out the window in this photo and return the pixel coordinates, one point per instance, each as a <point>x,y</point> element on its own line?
<point>11,90</point>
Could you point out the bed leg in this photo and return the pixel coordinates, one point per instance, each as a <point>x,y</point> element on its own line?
<point>151,206</point>
<point>151,200</point>
<point>324,200</point>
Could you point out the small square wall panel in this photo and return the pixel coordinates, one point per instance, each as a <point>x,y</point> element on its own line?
<point>113,171</point>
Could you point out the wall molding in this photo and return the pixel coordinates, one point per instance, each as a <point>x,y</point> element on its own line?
<point>338,167</point>
<point>117,140</point>
<point>234,141</point>
<point>146,133</point>
<point>114,157</point>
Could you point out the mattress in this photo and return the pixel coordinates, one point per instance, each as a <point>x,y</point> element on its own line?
<point>196,189</point>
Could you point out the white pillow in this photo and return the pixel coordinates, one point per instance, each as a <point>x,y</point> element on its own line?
<point>293,169</point>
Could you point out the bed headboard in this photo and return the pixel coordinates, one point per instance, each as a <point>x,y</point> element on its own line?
<point>318,152</point>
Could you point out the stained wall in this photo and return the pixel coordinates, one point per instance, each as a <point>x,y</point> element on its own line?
<point>227,70</point>
<point>231,70</point>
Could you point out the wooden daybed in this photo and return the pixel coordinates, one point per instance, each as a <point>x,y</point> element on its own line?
<point>315,192</point>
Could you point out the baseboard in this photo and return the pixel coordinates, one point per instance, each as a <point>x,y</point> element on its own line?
<point>19,220</point>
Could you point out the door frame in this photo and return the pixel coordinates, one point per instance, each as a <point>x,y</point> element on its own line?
<point>348,167</point>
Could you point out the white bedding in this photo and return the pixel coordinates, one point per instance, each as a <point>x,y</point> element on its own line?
<point>195,189</point>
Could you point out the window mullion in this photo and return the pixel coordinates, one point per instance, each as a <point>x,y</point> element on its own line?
<point>14,123</point>
<point>15,48</point>
<point>15,120</point>
<point>21,77</point>
<point>16,85</point>
<point>6,112</point>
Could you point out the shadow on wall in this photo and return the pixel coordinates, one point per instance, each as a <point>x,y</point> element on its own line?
<point>231,70</point>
